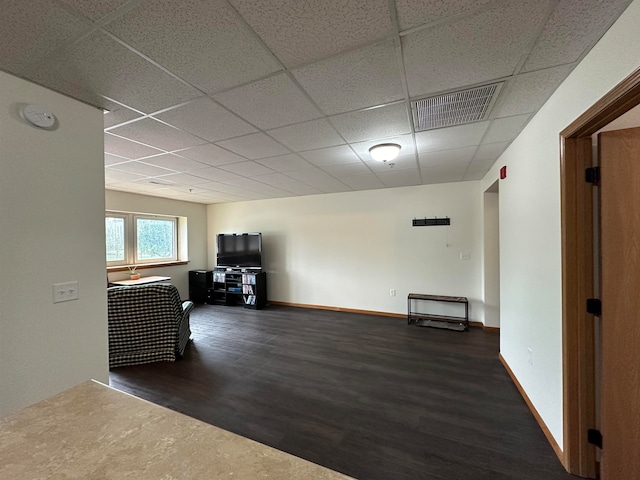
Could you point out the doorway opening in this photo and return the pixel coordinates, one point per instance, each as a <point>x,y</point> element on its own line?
<point>491,256</point>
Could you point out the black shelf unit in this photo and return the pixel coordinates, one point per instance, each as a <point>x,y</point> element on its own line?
<point>424,319</point>
<point>254,290</point>
<point>200,281</point>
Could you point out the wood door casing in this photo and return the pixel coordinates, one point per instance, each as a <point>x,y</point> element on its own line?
<point>619,153</point>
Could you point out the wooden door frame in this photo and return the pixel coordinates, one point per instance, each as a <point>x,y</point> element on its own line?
<point>577,272</point>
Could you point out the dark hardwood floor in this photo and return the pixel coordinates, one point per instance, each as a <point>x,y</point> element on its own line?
<point>365,395</point>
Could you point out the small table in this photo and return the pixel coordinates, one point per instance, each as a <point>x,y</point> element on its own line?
<point>141,281</point>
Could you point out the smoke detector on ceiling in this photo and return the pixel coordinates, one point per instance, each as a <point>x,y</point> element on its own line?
<point>455,108</point>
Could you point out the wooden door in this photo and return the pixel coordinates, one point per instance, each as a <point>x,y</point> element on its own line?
<point>620,269</point>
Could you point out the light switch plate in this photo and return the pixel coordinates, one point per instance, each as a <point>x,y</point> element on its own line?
<point>64,292</point>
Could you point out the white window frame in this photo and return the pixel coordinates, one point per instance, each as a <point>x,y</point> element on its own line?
<point>130,236</point>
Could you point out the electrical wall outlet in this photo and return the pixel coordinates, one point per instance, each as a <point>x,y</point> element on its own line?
<point>392,292</point>
<point>530,357</point>
<point>63,292</point>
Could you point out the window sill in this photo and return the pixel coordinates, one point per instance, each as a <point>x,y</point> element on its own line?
<point>125,268</point>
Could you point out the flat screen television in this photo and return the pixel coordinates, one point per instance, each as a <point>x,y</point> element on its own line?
<point>239,250</point>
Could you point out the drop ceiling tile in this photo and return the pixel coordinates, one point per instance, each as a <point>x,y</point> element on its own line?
<point>270,103</point>
<point>93,9</point>
<point>174,162</point>
<point>101,66</point>
<point>348,169</point>
<point>225,188</point>
<point>490,151</point>
<point>505,129</point>
<point>354,80</point>
<point>451,137</point>
<point>142,168</point>
<point>126,148</point>
<point>447,157</point>
<point>273,179</point>
<point>472,50</point>
<point>285,163</point>
<point>528,91</point>
<point>308,135</point>
<point>403,162</point>
<point>332,186</point>
<point>206,119</point>
<point>112,175</point>
<point>157,134</point>
<point>247,169</point>
<point>301,31</point>
<point>374,123</point>
<point>29,33</point>
<point>202,41</point>
<point>331,156</point>
<point>257,145</point>
<point>183,179</point>
<point>574,27</point>
<point>113,159</point>
<point>118,114</point>
<point>400,178</point>
<point>300,188</point>
<point>217,175</point>
<point>470,175</point>
<point>308,175</point>
<point>211,155</point>
<point>413,13</point>
<point>363,182</point>
<point>405,142</point>
<point>443,173</point>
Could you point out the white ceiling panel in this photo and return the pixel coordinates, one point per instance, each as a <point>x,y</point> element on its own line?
<point>301,31</point>
<point>363,182</point>
<point>405,142</point>
<point>400,178</point>
<point>455,156</point>
<point>387,121</point>
<point>247,169</point>
<point>413,13</point>
<point>307,136</point>
<point>174,162</point>
<point>285,163</point>
<point>206,119</point>
<point>142,168</point>
<point>29,34</point>
<point>348,169</point>
<point>126,148</point>
<point>270,103</point>
<point>489,152</point>
<point>102,66</point>
<point>355,80</point>
<point>277,98</point>
<point>505,129</point>
<point>472,50</point>
<point>203,41</point>
<point>528,92</point>
<point>443,174</point>
<point>331,156</point>
<point>211,155</point>
<point>113,159</point>
<point>152,132</point>
<point>257,145</point>
<point>403,162</point>
<point>572,29</point>
<point>451,137</point>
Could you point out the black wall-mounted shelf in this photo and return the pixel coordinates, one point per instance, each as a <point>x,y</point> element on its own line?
<point>430,222</point>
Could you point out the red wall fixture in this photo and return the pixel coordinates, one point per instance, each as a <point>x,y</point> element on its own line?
<point>503,173</point>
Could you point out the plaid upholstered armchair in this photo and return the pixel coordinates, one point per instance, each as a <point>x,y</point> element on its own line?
<point>147,323</point>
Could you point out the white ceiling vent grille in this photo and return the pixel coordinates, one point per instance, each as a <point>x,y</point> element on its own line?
<point>456,108</point>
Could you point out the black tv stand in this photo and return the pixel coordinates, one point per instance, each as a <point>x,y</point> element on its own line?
<point>229,286</point>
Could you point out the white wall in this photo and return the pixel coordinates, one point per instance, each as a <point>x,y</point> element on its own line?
<point>491,260</point>
<point>349,249</point>
<point>530,257</point>
<point>51,230</point>
<point>196,215</point>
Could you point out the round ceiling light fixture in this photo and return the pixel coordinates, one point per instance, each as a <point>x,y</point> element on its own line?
<point>384,152</point>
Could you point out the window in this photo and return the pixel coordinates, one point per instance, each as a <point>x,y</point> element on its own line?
<point>134,239</point>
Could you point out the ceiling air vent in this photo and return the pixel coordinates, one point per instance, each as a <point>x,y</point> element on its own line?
<point>455,108</point>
